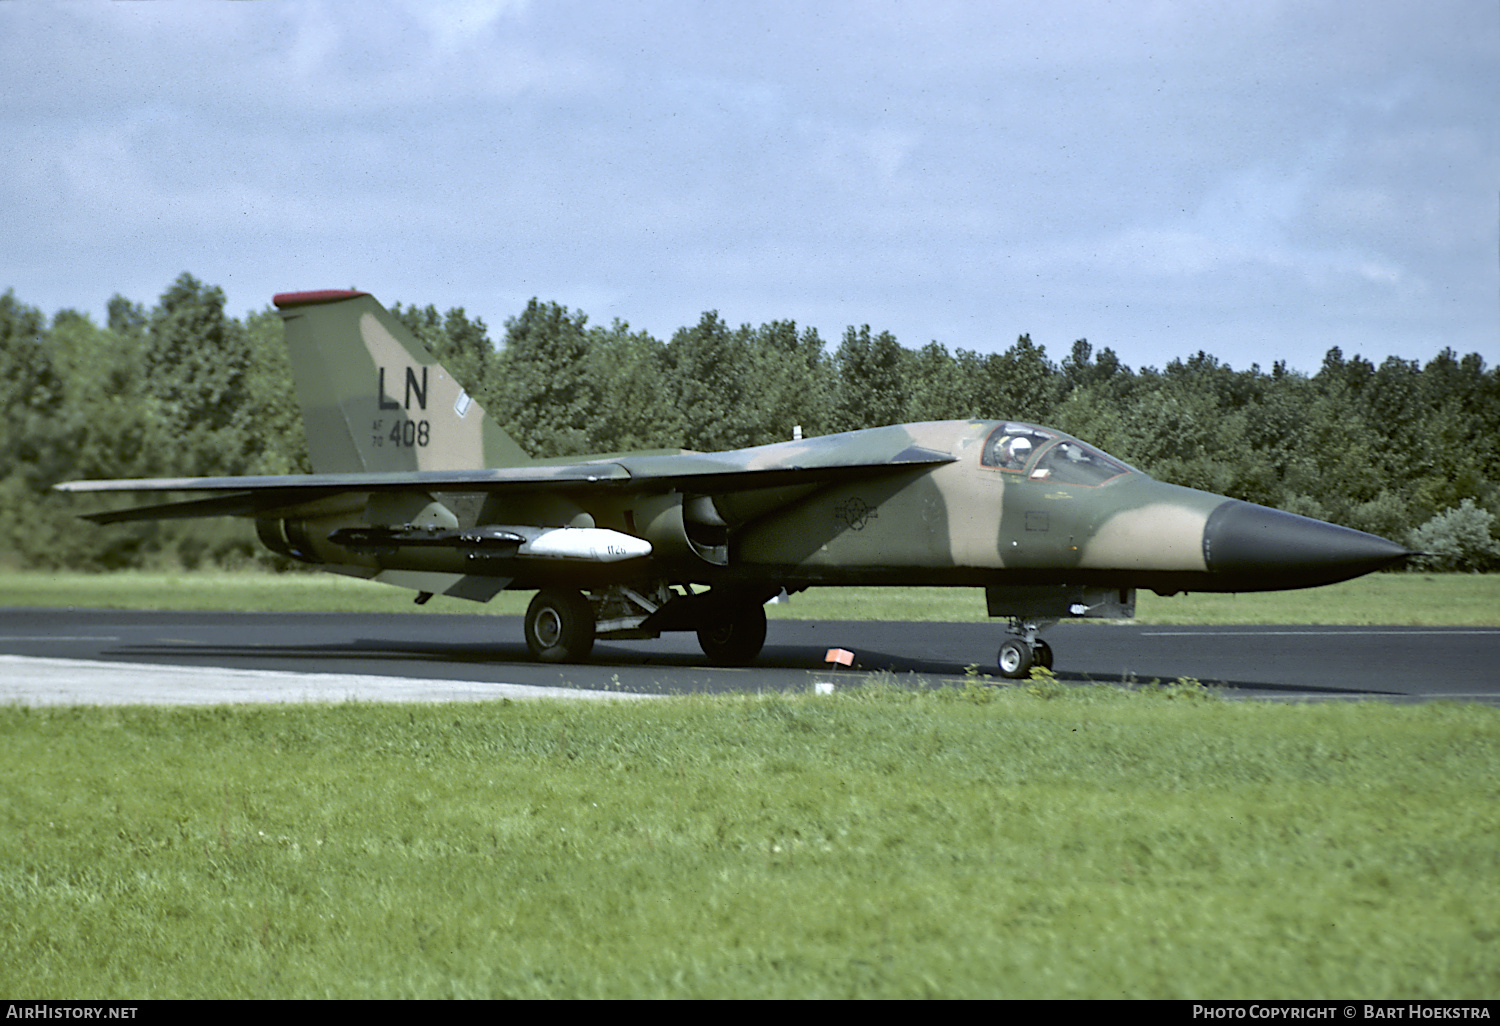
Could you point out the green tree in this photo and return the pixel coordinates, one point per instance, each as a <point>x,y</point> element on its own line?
<point>279,438</point>
<point>103,432</point>
<point>1178,432</point>
<point>546,396</point>
<point>1096,399</point>
<point>127,319</point>
<point>709,373</point>
<point>1393,406</point>
<point>938,387</point>
<point>1022,384</point>
<point>31,400</point>
<point>1080,368</point>
<point>31,391</point>
<point>185,389</point>
<point>791,382</point>
<point>634,408</point>
<point>1461,538</point>
<point>197,369</point>
<point>874,380</point>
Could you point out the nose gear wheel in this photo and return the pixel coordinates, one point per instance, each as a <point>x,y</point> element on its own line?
<point>1023,650</point>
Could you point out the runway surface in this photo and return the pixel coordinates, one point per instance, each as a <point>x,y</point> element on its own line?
<point>77,656</point>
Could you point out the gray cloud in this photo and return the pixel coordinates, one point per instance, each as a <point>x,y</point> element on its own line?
<point>1261,181</point>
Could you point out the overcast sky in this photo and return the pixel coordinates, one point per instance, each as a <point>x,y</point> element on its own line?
<point>1259,180</point>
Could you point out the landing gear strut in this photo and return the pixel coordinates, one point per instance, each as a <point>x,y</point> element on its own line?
<point>1024,650</point>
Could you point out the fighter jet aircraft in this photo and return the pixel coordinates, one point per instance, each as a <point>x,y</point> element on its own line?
<point>415,486</point>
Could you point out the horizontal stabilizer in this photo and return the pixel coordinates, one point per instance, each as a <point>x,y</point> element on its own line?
<point>240,504</point>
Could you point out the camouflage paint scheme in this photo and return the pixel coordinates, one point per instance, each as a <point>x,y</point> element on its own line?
<point>414,485</point>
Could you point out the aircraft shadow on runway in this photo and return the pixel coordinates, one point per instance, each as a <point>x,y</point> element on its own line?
<point>777,660</point>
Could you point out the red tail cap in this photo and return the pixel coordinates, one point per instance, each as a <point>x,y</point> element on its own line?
<point>286,299</point>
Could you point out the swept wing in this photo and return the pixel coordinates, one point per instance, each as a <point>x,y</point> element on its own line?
<point>822,460</point>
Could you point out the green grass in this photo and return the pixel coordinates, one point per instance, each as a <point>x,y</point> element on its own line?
<point>1416,599</point>
<point>883,842</point>
<point>892,841</point>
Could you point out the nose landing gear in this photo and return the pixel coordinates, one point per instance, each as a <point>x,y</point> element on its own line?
<point>1023,649</point>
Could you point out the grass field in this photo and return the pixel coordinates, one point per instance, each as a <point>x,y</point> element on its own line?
<point>1414,599</point>
<point>1031,841</point>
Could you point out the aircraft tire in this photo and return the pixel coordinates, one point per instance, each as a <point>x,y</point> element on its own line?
<point>560,626</point>
<point>1043,653</point>
<point>735,638</point>
<point>1015,659</point>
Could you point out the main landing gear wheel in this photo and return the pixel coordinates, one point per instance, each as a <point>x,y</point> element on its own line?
<point>560,626</point>
<point>736,636</point>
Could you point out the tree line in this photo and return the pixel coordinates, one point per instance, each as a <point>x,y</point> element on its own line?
<point>183,389</point>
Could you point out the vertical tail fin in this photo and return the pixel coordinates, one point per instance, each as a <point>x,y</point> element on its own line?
<point>374,399</point>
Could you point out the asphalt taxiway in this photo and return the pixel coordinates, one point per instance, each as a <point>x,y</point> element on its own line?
<point>50,656</point>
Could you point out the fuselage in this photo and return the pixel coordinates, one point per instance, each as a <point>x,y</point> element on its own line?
<point>1014,505</point>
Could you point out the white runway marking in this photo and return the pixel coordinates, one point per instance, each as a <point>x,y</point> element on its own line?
<point>37,682</point>
<point>59,637</point>
<point>1346,631</point>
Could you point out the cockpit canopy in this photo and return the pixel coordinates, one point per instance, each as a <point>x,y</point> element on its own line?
<point>1045,455</point>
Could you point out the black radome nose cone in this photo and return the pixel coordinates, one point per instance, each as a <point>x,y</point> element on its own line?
<point>1256,548</point>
